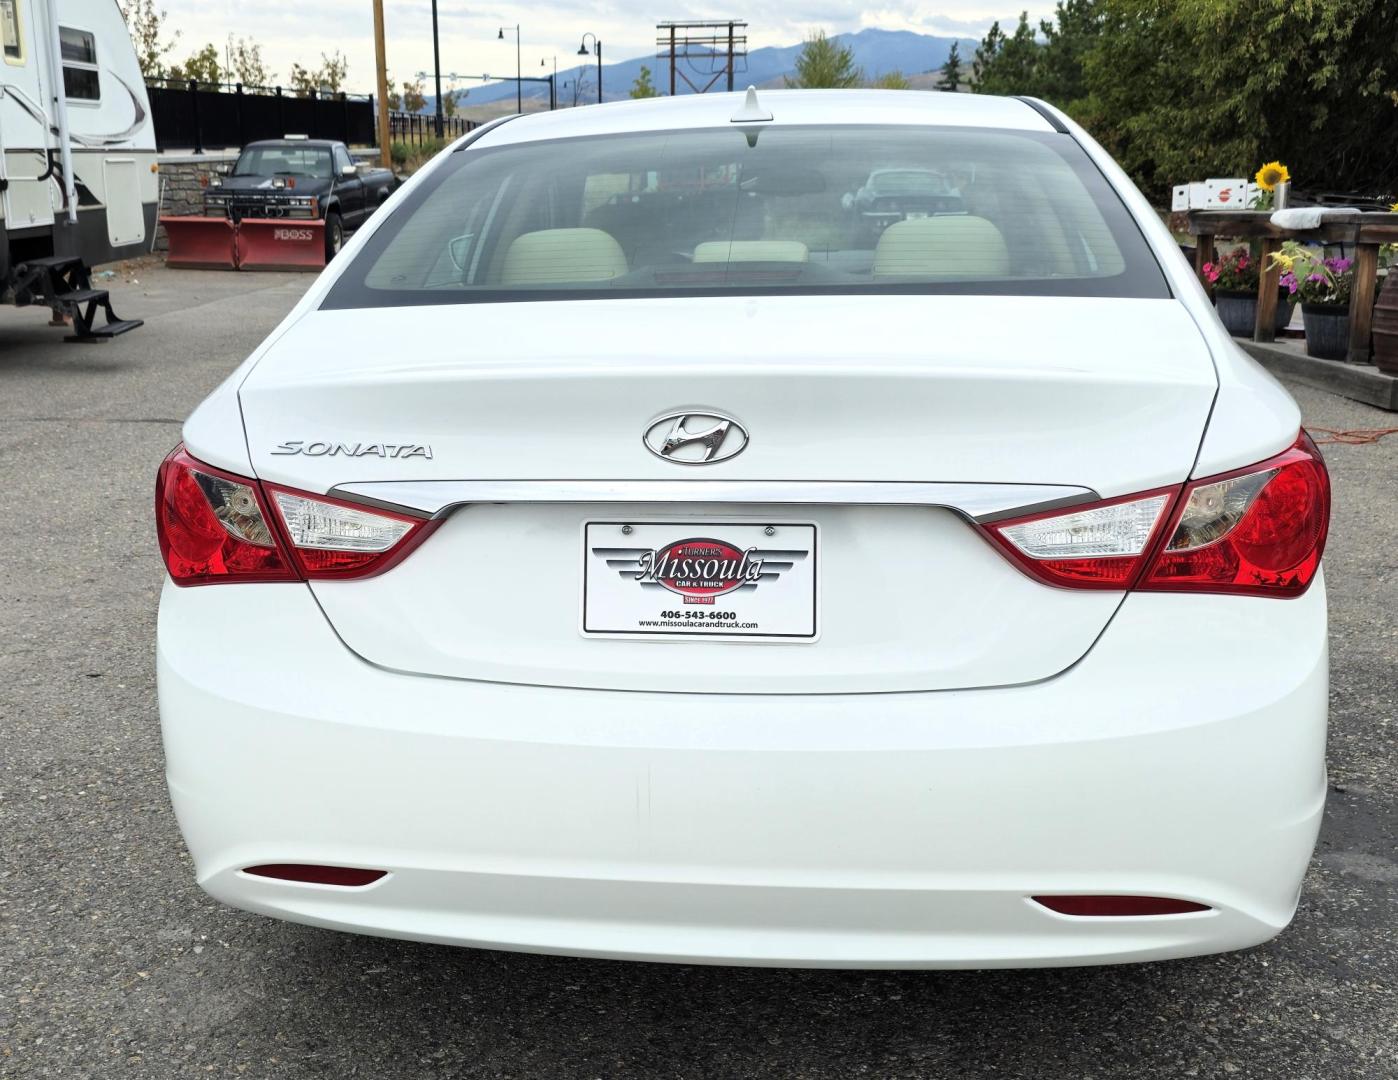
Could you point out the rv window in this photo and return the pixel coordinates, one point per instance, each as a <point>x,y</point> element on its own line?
<point>9,30</point>
<point>80,81</point>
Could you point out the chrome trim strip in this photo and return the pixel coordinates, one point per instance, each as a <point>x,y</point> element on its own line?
<point>979,502</point>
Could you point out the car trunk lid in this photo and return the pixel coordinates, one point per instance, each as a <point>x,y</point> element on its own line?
<point>550,401</point>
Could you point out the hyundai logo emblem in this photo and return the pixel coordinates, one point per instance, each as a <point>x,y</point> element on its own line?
<point>695,438</point>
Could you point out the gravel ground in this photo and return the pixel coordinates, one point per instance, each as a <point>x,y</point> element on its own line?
<point>112,962</point>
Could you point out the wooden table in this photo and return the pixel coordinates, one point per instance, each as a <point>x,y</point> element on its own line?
<point>1364,232</point>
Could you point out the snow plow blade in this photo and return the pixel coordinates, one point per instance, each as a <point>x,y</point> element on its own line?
<point>201,243</point>
<point>278,244</point>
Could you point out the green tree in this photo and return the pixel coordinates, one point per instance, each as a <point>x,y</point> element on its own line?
<point>825,64</point>
<point>1186,89</point>
<point>643,87</point>
<point>245,63</point>
<point>987,52</point>
<point>952,78</point>
<point>449,103</point>
<point>414,96</point>
<point>327,79</point>
<point>146,25</point>
<point>202,66</point>
<point>892,80</point>
<point>1008,65</point>
<point>1075,29</point>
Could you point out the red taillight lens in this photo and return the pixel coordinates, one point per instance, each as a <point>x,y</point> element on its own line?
<point>217,527</point>
<point>214,526</point>
<point>1119,905</point>
<point>347,876</point>
<point>1259,530</point>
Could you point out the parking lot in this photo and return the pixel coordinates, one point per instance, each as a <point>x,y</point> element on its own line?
<point>113,963</point>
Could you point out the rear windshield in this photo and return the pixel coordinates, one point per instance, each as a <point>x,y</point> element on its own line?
<point>837,209</point>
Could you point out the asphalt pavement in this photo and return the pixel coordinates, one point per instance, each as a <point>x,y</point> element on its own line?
<point>114,964</point>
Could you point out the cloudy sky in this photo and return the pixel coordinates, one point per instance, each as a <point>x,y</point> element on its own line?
<point>297,31</point>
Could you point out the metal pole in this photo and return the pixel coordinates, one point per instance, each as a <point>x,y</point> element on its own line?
<point>519,75</point>
<point>194,111</point>
<point>672,61</point>
<point>599,70</point>
<point>437,67</point>
<point>60,114</point>
<point>381,63</point>
<point>730,56</point>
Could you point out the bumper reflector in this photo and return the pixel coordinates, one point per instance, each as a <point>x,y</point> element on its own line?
<point>1119,905</point>
<point>351,876</point>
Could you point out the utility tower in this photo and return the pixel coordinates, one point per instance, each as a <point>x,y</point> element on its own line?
<point>707,51</point>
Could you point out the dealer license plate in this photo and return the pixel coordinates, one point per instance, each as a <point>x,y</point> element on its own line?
<point>745,580</point>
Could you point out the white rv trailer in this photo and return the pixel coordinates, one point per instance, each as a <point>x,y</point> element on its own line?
<point>78,183</point>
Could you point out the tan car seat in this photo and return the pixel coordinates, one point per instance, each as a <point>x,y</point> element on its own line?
<point>562,256</point>
<point>942,248</point>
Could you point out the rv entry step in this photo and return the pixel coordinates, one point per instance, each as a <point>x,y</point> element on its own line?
<point>64,284</point>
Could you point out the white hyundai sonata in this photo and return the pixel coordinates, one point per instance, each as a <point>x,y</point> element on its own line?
<point>815,528</point>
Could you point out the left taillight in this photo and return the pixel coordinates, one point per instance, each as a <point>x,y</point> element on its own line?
<point>216,527</point>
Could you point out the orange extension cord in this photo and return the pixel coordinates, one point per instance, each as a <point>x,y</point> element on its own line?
<point>1357,437</point>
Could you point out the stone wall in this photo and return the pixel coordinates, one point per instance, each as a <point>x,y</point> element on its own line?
<point>184,177</point>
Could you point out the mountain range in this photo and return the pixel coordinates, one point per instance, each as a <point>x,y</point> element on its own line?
<point>876,52</point>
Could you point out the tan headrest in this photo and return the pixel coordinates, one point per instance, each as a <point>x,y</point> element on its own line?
<point>560,256</point>
<point>952,246</point>
<point>735,251</point>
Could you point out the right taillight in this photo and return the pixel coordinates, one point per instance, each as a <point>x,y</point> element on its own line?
<point>1259,530</point>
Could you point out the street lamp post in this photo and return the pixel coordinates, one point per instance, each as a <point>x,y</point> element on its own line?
<point>519,73</point>
<point>553,83</point>
<point>437,69</point>
<point>582,51</point>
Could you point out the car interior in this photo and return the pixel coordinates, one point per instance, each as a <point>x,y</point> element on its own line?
<point>707,209</point>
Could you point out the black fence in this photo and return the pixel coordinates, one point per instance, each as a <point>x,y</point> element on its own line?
<point>204,116</point>
<point>414,129</point>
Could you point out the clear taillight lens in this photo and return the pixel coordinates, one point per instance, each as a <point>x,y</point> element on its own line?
<point>216,527</point>
<point>1097,547</point>
<point>335,539</point>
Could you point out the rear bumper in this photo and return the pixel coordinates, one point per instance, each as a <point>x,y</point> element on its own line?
<point>1183,757</point>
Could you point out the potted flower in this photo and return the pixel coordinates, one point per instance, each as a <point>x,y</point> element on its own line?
<point>1234,276</point>
<point>1324,287</point>
<point>1267,179</point>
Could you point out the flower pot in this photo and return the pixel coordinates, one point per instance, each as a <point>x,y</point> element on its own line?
<point>1238,311</point>
<point>1327,330</point>
<point>1386,326</point>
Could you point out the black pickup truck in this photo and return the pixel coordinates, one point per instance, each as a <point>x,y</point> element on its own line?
<point>300,178</point>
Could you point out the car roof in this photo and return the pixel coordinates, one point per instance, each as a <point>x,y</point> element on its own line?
<point>788,107</point>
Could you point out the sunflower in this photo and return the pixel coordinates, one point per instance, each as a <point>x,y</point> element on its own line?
<point>1272,174</point>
